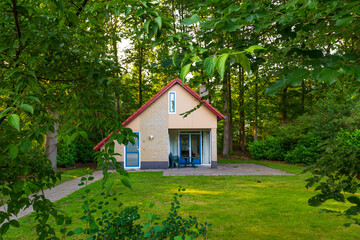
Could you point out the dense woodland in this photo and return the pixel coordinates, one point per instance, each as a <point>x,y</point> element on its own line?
<point>286,75</point>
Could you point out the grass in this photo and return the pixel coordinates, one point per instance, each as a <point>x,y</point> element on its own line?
<point>71,174</point>
<point>239,207</point>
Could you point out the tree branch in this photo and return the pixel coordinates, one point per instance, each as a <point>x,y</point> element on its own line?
<point>18,29</point>
<point>81,8</point>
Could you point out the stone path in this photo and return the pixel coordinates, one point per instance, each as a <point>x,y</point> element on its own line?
<point>226,169</point>
<point>58,192</point>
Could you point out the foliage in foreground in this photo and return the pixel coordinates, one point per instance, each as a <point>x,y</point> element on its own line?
<point>102,223</point>
<point>337,172</point>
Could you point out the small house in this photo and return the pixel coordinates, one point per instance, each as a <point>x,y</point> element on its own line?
<point>162,129</point>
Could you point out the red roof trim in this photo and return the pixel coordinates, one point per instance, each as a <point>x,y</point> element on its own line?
<point>153,99</point>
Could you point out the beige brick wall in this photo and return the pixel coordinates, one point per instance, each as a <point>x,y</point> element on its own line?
<point>119,149</point>
<point>154,122</point>
<point>213,145</point>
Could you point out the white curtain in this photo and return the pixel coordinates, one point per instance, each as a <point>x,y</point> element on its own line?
<point>206,159</point>
<point>174,138</point>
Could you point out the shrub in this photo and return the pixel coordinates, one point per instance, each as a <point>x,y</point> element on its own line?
<point>84,152</point>
<point>69,155</point>
<point>305,151</point>
<point>350,139</point>
<point>272,148</point>
<point>66,156</point>
<point>112,224</point>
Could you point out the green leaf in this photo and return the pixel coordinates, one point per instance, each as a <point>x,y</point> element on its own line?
<point>78,230</point>
<point>83,134</point>
<point>73,18</point>
<point>146,26</point>
<point>234,8</point>
<point>2,113</point>
<point>25,146</point>
<point>127,11</point>
<point>243,60</point>
<point>13,152</point>
<point>252,48</point>
<point>193,19</point>
<point>158,228</point>
<point>59,4</point>
<point>184,71</point>
<point>344,22</point>
<point>126,182</point>
<point>295,77</point>
<point>275,87</point>
<point>14,121</point>
<point>221,64</point>
<point>328,75</point>
<point>61,22</point>
<point>18,186</point>
<point>27,107</point>
<point>209,65</point>
<point>4,228</point>
<point>14,223</point>
<point>354,200</point>
<point>174,58</point>
<point>33,98</point>
<point>122,172</point>
<point>158,21</point>
<point>178,238</point>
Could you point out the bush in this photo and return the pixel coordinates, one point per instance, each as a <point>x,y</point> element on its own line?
<point>69,155</point>
<point>305,151</point>
<point>66,156</point>
<point>84,152</point>
<point>113,224</point>
<point>272,148</point>
<point>350,139</point>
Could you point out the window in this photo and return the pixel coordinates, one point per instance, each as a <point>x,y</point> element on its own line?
<point>172,104</point>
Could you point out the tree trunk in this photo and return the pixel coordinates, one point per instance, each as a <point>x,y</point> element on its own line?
<point>140,74</point>
<point>303,96</point>
<point>241,108</point>
<point>230,114</point>
<point>226,119</point>
<point>115,52</point>
<point>284,107</point>
<point>256,112</point>
<point>51,142</point>
<point>209,90</point>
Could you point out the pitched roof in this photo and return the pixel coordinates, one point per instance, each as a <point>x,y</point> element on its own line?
<point>154,98</point>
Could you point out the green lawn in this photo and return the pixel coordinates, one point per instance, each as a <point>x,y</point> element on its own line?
<point>71,174</point>
<point>239,207</point>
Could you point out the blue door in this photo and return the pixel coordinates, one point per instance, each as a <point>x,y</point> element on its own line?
<point>190,146</point>
<point>132,153</point>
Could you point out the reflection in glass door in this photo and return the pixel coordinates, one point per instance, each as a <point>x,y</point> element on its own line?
<point>132,153</point>
<point>195,148</point>
<point>184,147</point>
<point>190,146</point>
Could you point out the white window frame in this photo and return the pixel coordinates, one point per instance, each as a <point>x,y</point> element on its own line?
<point>169,102</point>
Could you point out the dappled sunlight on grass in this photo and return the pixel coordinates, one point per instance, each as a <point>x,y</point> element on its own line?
<point>198,191</point>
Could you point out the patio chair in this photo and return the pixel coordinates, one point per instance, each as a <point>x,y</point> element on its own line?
<point>174,161</point>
